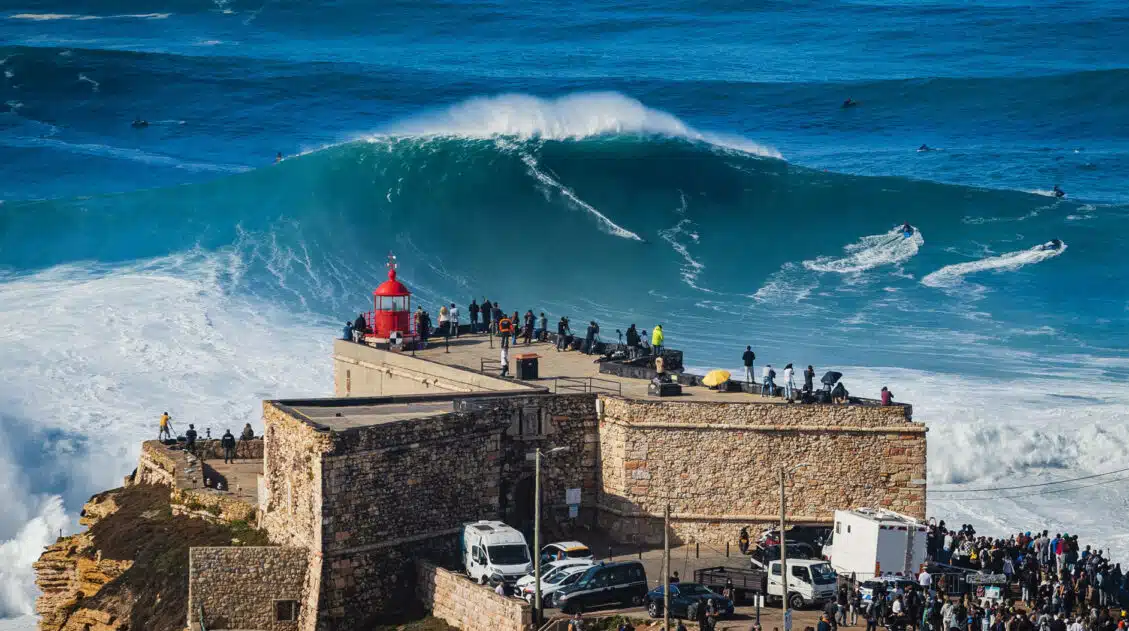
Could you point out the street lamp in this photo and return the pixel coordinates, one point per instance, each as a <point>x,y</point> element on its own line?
<point>537,528</point>
<point>784,551</point>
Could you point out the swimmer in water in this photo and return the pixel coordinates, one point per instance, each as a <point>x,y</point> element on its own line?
<point>1059,192</point>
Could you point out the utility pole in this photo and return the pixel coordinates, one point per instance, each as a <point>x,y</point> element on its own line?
<point>537,537</point>
<point>783,561</point>
<point>666,568</point>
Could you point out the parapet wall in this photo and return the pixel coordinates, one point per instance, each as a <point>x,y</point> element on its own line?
<point>461,603</point>
<point>238,588</point>
<point>184,474</point>
<point>717,464</point>
<point>364,371</point>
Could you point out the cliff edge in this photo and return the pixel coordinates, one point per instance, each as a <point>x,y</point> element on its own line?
<point>129,570</point>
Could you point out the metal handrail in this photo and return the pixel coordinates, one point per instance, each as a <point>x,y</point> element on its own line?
<point>200,608</point>
<point>587,385</point>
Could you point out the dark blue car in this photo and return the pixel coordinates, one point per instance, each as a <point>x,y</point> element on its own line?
<point>685,595</point>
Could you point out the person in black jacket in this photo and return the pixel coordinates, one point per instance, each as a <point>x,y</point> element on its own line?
<point>473,311</point>
<point>360,327</point>
<point>632,342</point>
<point>747,358</point>
<point>809,378</point>
<point>228,444</point>
<point>190,438</point>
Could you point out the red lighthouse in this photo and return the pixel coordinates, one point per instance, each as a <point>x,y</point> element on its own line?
<point>392,308</point>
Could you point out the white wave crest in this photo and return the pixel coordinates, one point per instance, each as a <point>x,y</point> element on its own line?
<point>606,224</point>
<point>953,274</point>
<point>50,17</point>
<point>870,252</point>
<point>691,267</point>
<point>85,79</point>
<point>570,117</point>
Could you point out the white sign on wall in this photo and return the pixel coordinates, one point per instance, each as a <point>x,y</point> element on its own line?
<point>572,496</point>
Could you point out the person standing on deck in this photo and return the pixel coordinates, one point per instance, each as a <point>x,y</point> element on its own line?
<point>657,340</point>
<point>444,320</point>
<point>768,388</point>
<point>809,378</point>
<point>166,427</point>
<point>453,315</point>
<point>473,311</point>
<point>227,441</point>
<point>789,381</point>
<point>747,358</point>
<point>542,332</point>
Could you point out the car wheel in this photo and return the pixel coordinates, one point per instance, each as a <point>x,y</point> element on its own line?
<point>795,601</point>
<point>636,600</point>
<point>653,609</point>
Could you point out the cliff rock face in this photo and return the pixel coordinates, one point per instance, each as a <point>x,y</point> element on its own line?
<point>129,570</point>
<point>72,569</point>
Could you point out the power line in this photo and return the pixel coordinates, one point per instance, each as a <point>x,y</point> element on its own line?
<point>1048,492</point>
<point>1029,486</point>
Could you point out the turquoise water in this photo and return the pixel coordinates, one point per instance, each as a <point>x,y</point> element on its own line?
<point>686,163</point>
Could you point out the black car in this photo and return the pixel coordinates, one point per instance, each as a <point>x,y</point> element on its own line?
<point>622,583</point>
<point>683,596</point>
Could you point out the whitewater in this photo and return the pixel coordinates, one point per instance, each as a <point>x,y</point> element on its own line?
<point>609,163</point>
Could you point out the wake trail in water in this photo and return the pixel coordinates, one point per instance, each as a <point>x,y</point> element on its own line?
<point>691,267</point>
<point>870,252</point>
<point>954,274</point>
<point>607,224</point>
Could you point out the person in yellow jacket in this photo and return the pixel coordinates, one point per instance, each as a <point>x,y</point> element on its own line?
<point>657,340</point>
<point>166,430</point>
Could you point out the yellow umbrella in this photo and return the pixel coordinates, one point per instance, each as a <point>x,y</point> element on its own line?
<point>715,378</point>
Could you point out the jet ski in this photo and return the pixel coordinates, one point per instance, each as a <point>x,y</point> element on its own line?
<point>1053,244</point>
<point>1059,192</point>
<point>907,230</point>
<point>139,123</point>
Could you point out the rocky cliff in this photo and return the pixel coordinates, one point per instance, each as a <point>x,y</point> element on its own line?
<point>129,570</point>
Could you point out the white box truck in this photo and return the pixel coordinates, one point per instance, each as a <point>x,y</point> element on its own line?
<point>875,542</point>
<point>494,552</point>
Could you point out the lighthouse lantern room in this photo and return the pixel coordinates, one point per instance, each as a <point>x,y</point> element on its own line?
<point>392,308</point>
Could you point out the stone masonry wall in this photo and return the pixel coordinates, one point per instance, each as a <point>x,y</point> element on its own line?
<point>717,465</point>
<point>398,491</point>
<point>461,603</point>
<point>292,470</point>
<point>237,587</point>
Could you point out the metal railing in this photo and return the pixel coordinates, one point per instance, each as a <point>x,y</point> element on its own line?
<point>489,364</point>
<point>586,385</point>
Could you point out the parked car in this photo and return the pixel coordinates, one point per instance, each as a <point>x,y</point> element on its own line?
<point>553,582</point>
<point>549,568</point>
<point>685,595</point>
<point>623,583</point>
<point>565,550</point>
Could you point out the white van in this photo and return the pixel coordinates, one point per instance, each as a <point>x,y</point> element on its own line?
<point>494,552</point>
<point>810,582</point>
<point>873,543</point>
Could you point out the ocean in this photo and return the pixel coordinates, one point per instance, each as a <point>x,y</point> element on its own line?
<point>673,162</point>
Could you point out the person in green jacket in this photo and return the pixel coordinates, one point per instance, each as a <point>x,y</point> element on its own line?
<point>657,340</point>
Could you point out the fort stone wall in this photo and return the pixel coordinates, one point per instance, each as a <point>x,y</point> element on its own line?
<point>717,465</point>
<point>246,587</point>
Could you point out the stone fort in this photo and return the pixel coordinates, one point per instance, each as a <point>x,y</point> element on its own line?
<point>359,489</point>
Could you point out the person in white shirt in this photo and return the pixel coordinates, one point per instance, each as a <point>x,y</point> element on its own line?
<point>789,382</point>
<point>925,579</point>
<point>505,361</point>
<point>453,315</point>
<point>500,589</point>
<point>767,388</point>
<point>896,608</point>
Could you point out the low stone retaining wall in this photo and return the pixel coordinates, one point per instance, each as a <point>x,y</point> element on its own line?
<point>467,605</point>
<point>184,474</point>
<point>246,587</point>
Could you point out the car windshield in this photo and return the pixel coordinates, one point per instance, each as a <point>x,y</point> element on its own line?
<point>690,589</point>
<point>578,553</point>
<point>822,573</point>
<point>510,554</point>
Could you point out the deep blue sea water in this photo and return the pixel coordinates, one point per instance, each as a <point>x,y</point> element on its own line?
<point>679,162</point>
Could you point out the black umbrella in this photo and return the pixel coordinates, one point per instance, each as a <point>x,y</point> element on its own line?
<point>831,377</point>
